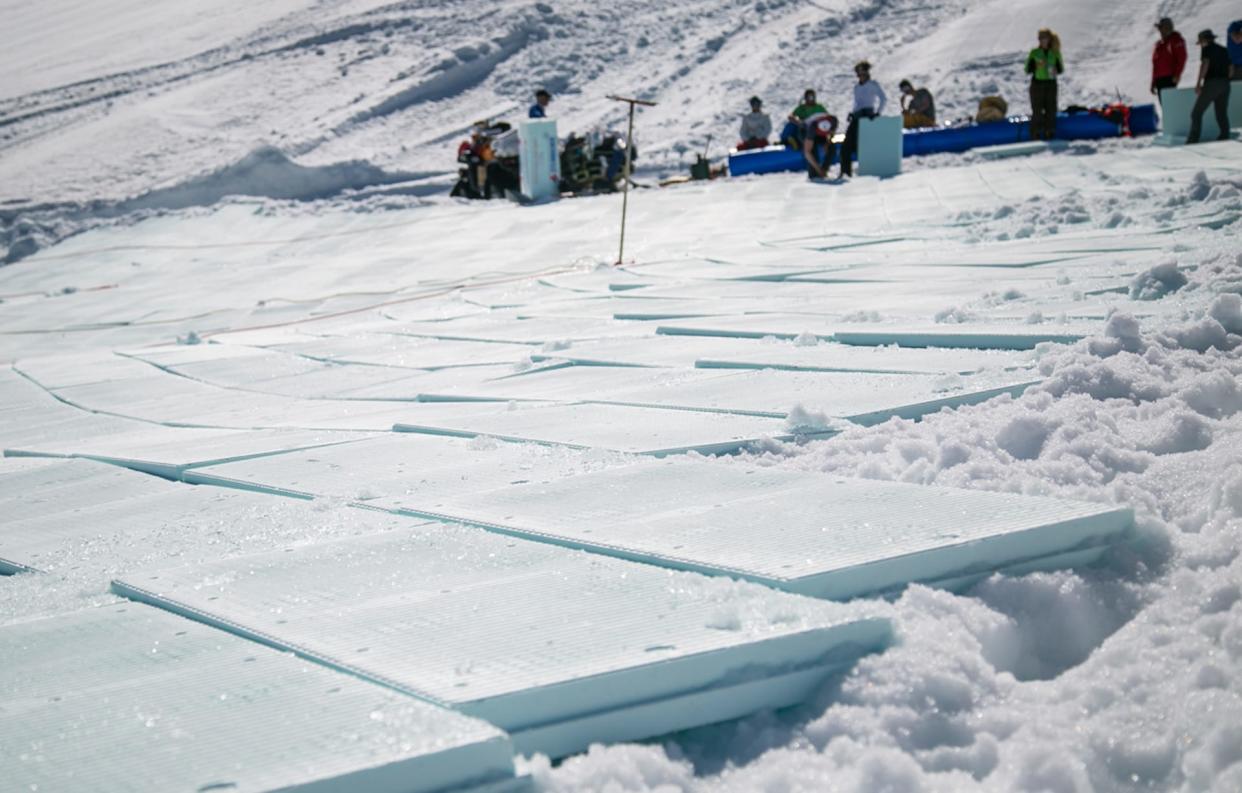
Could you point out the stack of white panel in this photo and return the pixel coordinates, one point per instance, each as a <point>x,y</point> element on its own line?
<point>130,698</point>
<point>560,648</point>
<point>798,531</point>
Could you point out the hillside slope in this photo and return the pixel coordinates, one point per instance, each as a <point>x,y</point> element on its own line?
<point>147,97</point>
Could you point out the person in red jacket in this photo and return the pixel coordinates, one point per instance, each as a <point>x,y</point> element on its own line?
<point>1168,58</point>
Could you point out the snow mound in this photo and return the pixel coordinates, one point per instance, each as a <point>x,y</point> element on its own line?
<point>266,172</point>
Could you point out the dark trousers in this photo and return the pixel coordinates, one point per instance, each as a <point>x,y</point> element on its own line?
<point>850,147</point>
<point>1215,91</point>
<point>1043,109</point>
<point>1159,84</point>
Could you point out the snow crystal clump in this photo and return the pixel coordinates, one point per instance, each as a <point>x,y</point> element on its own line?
<point>955,315</point>
<point>483,443</point>
<point>1163,279</point>
<point>806,339</point>
<point>804,420</point>
<point>1200,187</point>
<point>1227,310</point>
<point>863,316</point>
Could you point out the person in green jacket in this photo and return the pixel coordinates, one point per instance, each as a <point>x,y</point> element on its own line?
<point>1044,64</point>
<point>816,127</point>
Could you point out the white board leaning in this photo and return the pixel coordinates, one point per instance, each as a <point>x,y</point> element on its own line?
<point>539,164</point>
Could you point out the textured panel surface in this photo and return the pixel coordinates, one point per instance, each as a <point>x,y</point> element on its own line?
<point>834,537</point>
<point>86,521</point>
<point>130,698</point>
<point>831,357</point>
<point>578,383</point>
<point>524,634</point>
<point>378,471</point>
<point>622,428</point>
<point>992,336</point>
<point>863,396</point>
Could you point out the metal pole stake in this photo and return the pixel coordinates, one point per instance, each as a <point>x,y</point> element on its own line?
<point>625,188</point>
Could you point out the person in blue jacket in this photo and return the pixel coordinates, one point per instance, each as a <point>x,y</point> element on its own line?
<point>1234,44</point>
<point>540,108</point>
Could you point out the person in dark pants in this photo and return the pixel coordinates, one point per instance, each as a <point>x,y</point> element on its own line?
<point>1044,63</point>
<point>869,101</point>
<point>1234,45</point>
<point>1168,58</point>
<point>1212,87</point>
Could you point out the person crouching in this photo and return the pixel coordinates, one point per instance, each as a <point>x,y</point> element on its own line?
<point>918,109</point>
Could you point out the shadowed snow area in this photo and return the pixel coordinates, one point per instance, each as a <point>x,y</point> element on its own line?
<point>925,483</point>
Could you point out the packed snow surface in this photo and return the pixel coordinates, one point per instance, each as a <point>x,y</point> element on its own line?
<point>230,249</point>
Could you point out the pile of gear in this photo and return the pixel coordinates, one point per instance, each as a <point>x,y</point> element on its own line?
<point>489,162</point>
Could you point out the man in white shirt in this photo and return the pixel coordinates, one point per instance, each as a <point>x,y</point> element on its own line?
<point>869,101</point>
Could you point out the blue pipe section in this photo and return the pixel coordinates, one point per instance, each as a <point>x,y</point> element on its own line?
<point>950,140</point>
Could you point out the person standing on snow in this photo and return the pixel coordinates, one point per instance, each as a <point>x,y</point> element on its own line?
<point>918,109</point>
<point>540,108</point>
<point>869,101</point>
<point>756,127</point>
<point>1234,45</point>
<point>1044,63</point>
<point>1168,58</point>
<point>1212,87</point>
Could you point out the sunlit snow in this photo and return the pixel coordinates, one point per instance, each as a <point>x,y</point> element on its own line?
<point>314,476</point>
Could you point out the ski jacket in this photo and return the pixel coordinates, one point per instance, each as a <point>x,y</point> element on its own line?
<point>537,111</point>
<point>1235,49</point>
<point>1216,58</point>
<point>1044,65</point>
<point>812,123</point>
<point>1169,58</point>
<point>756,126</point>
<point>803,112</point>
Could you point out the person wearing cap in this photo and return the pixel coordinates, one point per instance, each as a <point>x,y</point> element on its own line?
<point>540,108</point>
<point>1212,87</point>
<point>869,101</point>
<point>1234,45</point>
<point>918,109</point>
<point>1044,63</point>
<point>1168,58</point>
<point>756,127</point>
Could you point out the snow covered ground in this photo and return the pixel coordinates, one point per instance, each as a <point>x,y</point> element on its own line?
<point>177,105</point>
<point>265,347</point>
